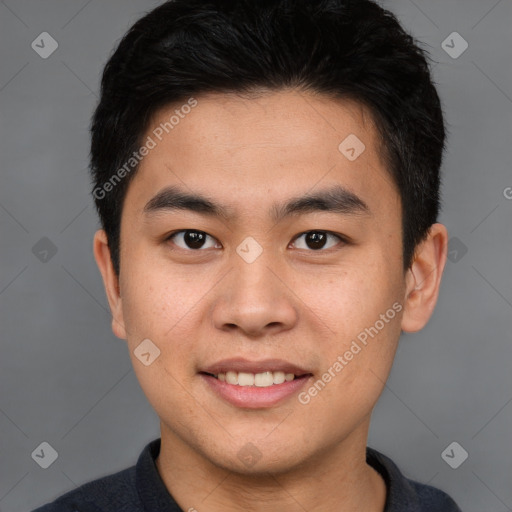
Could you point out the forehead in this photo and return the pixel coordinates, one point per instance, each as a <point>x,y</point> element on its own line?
<point>284,119</point>
<point>257,146</point>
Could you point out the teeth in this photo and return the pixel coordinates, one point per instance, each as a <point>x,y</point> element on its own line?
<point>245,379</point>
<point>279,377</point>
<point>232,378</point>
<point>261,380</point>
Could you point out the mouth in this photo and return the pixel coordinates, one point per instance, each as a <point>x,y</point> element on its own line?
<point>253,385</point>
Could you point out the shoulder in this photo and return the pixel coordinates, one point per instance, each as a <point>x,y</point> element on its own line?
<point>406,494</point>
<point>431,499</point>
<point>112,492</point>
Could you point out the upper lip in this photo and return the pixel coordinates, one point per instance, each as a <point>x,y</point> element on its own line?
<point>245,365</point>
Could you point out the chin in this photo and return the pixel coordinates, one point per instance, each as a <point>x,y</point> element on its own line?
<point>252,458</point>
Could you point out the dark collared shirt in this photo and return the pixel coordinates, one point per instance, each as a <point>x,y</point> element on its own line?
<point>140,489</point>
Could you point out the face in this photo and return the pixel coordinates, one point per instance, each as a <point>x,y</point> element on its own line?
<point>250,283</point>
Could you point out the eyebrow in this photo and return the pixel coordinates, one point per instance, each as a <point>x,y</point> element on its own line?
<point>336,199</point>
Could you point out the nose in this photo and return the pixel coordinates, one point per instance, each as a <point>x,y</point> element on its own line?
<point>255,299</point>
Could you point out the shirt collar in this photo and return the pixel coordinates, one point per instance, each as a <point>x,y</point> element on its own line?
<point>153,494</point>
<point>400,493</point>
<point>156,498</point>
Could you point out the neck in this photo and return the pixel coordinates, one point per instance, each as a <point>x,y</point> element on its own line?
<point>337,480</point>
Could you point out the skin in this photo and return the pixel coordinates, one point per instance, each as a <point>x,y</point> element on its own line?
<point>293,302</point>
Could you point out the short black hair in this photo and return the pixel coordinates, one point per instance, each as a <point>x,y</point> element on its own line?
<point>346,49</point>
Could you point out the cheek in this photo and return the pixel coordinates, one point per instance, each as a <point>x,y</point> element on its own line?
<point>156,296</point>
<point>348,301</point>
<point>356,365</point>
<point>159,306</point>
<point>362,309</point>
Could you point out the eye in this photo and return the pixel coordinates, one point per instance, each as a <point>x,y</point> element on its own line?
<point>191,239</point>
<point>317,240</point>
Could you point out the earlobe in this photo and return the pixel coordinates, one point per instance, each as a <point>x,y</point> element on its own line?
<point>110,281</point>
<point>423,279</point>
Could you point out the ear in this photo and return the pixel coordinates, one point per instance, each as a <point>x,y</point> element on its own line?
<point>110,281</point>
<point>423,279</point>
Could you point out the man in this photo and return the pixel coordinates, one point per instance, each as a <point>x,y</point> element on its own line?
<point>267,178</point>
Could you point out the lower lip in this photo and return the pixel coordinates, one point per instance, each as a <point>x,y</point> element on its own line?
<point>254,397</point>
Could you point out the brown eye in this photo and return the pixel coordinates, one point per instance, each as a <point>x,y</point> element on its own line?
<point>316,240</point>
<point>191,239</point>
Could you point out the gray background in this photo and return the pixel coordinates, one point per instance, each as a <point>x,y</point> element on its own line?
<point>67,380</point>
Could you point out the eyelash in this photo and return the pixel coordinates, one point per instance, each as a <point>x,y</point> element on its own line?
<point>342,239</point>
